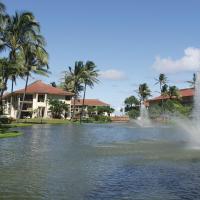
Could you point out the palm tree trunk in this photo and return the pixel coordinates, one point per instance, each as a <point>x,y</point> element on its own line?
<point>1,95</point>
<point>83,103</point>
<point>24,95</point>
<point>162,107</point>
<point>73,113</point>
<point>1,102</point>
<point>11,96</point>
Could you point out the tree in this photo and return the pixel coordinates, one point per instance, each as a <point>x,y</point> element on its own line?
<point>104,109</point>
<point>162,80</point>
<point>144,92</point>
<point>193,81</point>
<point>90,74</point>
<point>53,84</point>
<point>73,80</point>
<point>173,92</point>
<point>35,60</point>
<point>57,108</point>
<point>130,103</point>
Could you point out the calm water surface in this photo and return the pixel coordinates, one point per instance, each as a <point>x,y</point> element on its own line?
<point>112,161</point>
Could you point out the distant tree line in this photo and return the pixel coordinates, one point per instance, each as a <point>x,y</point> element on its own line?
<point>170,105</point>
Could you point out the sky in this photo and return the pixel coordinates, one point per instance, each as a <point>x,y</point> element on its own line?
<point>130,41</point>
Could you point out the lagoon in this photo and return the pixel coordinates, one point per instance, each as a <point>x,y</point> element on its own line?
<point>99,161</point>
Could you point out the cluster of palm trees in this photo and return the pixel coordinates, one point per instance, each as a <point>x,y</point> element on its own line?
<point>21,39</point>
<point>144,92</point>
<point>77,79</point>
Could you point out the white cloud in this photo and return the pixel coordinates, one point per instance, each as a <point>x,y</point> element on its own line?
<point>113,74</point>
<point>189,62</point>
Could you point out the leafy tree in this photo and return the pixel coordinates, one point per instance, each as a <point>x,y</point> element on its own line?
<point>162,80</point>
<point>144,92</point>
<point>104,109</point>
<point>35,60</point>
<point>155,111</point>
<point>173,92</point>
<point>134,113</point>
<point>90,74</point>
<point>73,80</point>
<point>57,108</point>
<point>193,81</point>
<point>174,106</point>
<point>130,103</point>
<point>53,84</point>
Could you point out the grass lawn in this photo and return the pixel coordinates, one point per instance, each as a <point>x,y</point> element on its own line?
<point>10,134</point>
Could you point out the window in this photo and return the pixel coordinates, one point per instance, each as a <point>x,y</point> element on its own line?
<point>41,97</point>
<point>67,98</point>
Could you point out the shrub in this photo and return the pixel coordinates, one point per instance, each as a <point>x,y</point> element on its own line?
<point>100,118</point>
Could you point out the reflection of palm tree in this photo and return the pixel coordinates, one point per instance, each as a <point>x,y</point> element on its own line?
<point>90,75</point>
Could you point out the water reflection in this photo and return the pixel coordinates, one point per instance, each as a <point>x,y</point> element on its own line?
<point>112,161</point>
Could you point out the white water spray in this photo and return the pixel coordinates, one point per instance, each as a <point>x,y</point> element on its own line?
<point>192,126</point>
<point>143,120</point>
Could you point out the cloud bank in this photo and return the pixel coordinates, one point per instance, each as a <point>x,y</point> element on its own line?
<point>189,62</point>
<point>113,74</point>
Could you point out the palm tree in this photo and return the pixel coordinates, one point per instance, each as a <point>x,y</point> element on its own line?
<point>193,81</point>
<point>130,103</point>
<point>90,74</point>
<point>144,92</point>
<point>73,80</point>
<point>15,33</point>
<point>162,80</point>
<point>173,92</point>
<point>36,61</point>
<point>2,8</point>
<point>2,15</point>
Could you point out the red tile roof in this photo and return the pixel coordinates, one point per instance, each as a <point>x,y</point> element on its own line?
<point>89,102</point>
<point>43,88</point>
<point>187,92</point>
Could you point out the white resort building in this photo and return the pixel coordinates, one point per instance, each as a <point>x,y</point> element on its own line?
<point>89,108</point>
<point>36,100</point>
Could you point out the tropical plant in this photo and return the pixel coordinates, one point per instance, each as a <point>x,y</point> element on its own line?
<point>53,84</point>
<point>193,81</point>
<point>144,92</point>
<point>104,109</point>
<point>162,80</point>
<point>130,103</point>
<point>58,108</point>
<point>35,60</point>
<point>73,80</point>
<point>173,92</point>
<point>90,74</point>
<point>174,106</point>
<point>134,113</point>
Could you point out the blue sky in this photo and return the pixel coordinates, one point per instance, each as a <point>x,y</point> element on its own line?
<point>131,41</point>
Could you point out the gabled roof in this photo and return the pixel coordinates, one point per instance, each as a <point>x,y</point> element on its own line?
<point>186,92</point>
<point>38,87</point>
<point>89,102</point>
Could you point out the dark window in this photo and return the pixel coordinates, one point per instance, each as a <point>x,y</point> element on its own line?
<point>68,98</point>
<point>41,98</point>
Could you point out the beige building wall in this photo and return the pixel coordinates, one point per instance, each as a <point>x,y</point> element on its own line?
<point>12,110</point>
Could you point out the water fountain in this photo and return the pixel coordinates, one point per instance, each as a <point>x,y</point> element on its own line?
<point>192,126</point>
<point>143,120</point>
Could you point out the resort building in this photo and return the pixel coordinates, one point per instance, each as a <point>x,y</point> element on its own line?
<point>90,107</point>
<point>36,100</point>
<point>186,97</point>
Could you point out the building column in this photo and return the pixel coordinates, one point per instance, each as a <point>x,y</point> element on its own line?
<point>46,106</point>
